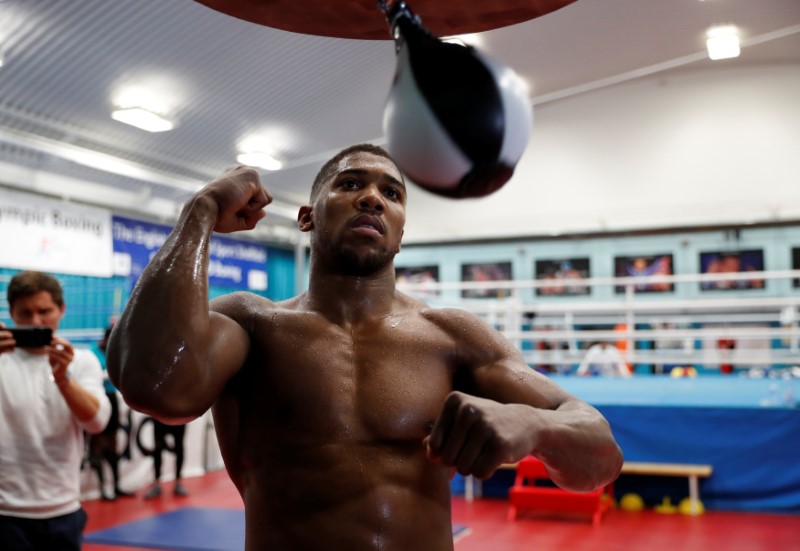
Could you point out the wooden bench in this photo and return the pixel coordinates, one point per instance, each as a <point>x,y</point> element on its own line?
<point>691,471</point>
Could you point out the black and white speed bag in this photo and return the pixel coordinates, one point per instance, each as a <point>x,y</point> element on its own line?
<point>456,121</point>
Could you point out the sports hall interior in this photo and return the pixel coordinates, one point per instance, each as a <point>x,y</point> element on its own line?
<point>656,209</point>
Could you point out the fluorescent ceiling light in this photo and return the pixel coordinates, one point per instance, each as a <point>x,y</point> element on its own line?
<point>722,42</point>
<point>259,159</point>
<point>142,118</point>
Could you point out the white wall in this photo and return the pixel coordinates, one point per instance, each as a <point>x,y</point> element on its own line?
<point>679,148</point>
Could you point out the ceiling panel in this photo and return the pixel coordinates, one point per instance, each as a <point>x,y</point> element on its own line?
<point>223,79</point>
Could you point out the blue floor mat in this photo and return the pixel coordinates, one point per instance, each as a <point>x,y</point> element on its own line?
<point>189,529</point>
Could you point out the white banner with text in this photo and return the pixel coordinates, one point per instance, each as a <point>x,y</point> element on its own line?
<point>37,233</point>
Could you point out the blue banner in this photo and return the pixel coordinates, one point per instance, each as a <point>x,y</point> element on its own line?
<point>232,263</point>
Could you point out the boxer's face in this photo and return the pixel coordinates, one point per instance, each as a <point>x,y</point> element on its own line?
<point>360,213</point>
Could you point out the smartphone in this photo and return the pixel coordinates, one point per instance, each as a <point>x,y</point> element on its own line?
<point>31,337</point>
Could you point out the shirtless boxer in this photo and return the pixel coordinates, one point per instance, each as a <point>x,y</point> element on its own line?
<point>342,412</point>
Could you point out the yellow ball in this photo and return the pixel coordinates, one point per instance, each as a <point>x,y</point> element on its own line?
<point>685,507</point>
<point>631,502</point>
<point>665,507</point>
<point>677,372</point>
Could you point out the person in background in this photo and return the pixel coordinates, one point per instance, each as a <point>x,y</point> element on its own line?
<point>160,433</point>
<point>103,446</point>
<point>603,358</point>
<point>49,395</point>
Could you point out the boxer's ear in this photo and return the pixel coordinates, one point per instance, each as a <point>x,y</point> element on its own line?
<point>304,220</point>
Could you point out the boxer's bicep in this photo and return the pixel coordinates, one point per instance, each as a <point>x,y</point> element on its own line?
<point>494,368</point>
<point>228,347</point>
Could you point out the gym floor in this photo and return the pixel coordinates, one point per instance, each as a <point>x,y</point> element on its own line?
<point>488,527</point>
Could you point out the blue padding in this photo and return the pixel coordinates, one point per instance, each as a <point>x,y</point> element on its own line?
<point>714,391</point>
<point>754,452</point>
<point>193,529</point>
<point>189,529</point>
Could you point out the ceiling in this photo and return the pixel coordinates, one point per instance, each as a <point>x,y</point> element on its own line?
<point>223,80</point>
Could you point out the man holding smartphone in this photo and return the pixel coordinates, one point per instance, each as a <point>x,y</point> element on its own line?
<point>50,393</point>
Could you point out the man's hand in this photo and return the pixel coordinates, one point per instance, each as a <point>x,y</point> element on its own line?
<point>240,199</point>
<point>60,354</point>
<point>7,342</point>
<point>476,435</point>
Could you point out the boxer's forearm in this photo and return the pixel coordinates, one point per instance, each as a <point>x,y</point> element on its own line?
<point>158,349</point>
<point>577,446</point>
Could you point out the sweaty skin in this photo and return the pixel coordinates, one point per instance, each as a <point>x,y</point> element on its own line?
<point>342,412</point>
